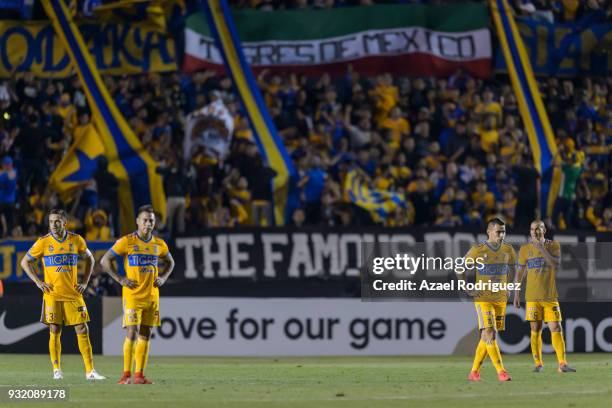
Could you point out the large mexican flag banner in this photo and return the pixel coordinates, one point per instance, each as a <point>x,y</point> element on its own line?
<point>400,39</point>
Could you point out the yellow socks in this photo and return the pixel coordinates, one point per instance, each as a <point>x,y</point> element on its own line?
<point>495,355</point>
<point>481,354</point>
<point>142,348</point>
<point>55,349</point>
<point>536,347</point>
<point>559,346</point>
<point>85,349</point>
<point>128,355</point>
<point>146,359</point>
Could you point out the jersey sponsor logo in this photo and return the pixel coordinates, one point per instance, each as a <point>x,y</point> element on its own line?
<point>535,263</point>
<point>13,335</point>
<point>493,269</point>
<point>142,260</point>
<point>61,260</point>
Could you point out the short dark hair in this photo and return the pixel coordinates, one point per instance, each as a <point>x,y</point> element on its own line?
<point>496,221</point>
<point>148,208</point>
<point>58,211</point>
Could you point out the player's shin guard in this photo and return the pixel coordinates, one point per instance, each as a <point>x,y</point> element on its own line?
<point>481,354</point>
<point>559,346</point>
<point>495,355</point>
<point>536,347</point>
<point>85,349</point>
<point>142,347</point>
<point>55,349</point>
<point>128,355</point>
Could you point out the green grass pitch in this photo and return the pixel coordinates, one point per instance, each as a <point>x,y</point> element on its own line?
<point>320,382</point>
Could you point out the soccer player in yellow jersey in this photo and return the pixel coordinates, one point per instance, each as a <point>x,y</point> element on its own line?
<point>140,251</point>
<point>541,257</point>
<point>494,260</point>
<point>63,303</point>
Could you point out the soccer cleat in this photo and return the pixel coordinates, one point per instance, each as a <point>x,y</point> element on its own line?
<point>474,376</point>
<point>57,374</point>
<point>93,375</point>
<point>139,378</point>
<point>538,369</point>
<point>564,368</point>
<point>126,378</point>
<point>504,376</point>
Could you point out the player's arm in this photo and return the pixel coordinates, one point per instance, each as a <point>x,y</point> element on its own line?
<point>89,266</point>
<point>168,268</point>
<point>110,267</point>
<point>518,278</point>
<point>28,264</point>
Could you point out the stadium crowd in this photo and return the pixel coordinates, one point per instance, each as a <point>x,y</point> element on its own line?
<point>454,147</point>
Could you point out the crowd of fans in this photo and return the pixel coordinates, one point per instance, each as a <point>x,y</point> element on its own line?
<point>454,147</point>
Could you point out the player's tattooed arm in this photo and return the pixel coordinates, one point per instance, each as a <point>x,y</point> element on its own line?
<point>518,279</point>
<point>89,265</point>
<point>28,265</point>
<point>109,267</point>
<point>168,268</point>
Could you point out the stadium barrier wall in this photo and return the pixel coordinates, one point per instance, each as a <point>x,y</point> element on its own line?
<point>261,255</point>
<point>256,255</point>
<point>22,332</point>
<point>332,326</point>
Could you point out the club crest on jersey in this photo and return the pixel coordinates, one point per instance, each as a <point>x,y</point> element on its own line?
<point>155,249</point>
<point>135,248</point>
<point>71,247</point>
<point>51,249</point>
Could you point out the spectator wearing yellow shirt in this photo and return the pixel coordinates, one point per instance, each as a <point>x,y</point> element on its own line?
<point>385,96</point>
<point>397,126</point>
<point>483,199</point>
<point>67,111</point>
<point>96,226</point>
<point>488,105</point>
<point>489,136</point>
<point>446,217</point>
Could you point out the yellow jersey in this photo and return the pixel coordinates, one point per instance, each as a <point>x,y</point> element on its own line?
<point>59,259</point>
<point>540,284</point>
<point>140,261</point>
<point>494,265</point>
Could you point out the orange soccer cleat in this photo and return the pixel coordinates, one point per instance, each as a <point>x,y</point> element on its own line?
<point>139,378</point>
<point>126,378</point>
<point>474,376</point>
<point>504,376</point>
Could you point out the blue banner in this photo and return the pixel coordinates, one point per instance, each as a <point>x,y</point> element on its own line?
<point>565,49</point>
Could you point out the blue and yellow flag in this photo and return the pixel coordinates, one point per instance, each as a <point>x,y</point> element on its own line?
<point>270,145</point>
<point>533,112</point>
<point>79,164</point>
<point>379,202</point>
<point>139,184</point>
